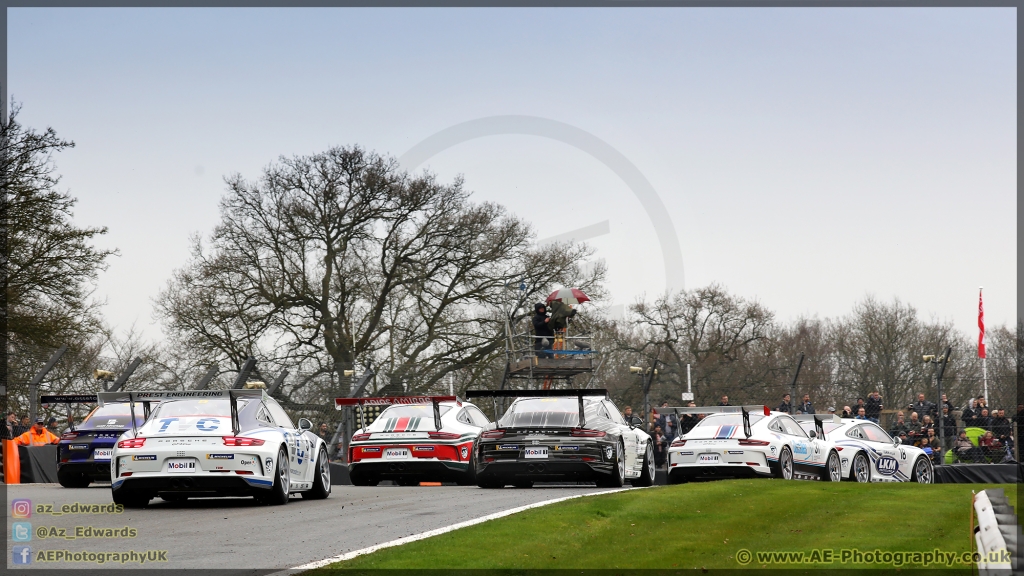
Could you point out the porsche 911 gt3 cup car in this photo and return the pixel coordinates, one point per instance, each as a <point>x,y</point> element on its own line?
<point>417,439</point>
<point>747,441</point>
<point>557,435</point>
<point>215,443</point>
<point>83,453</point>
<point>869,454</point>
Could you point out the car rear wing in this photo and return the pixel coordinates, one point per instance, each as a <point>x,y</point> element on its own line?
<point>147,397</point>
<point>819,421</point>
<point>744,410</point>
<point>569,393</point>
<point>68,400</point>
<point>340,403</point>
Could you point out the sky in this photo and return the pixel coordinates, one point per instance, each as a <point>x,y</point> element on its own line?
<point>806,158</point>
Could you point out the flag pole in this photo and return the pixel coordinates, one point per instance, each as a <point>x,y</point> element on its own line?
<point>981,344</point>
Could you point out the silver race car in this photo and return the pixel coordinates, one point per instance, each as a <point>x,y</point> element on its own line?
<point>215,443</point>
<point>869,454</point>
<point>748,441</point>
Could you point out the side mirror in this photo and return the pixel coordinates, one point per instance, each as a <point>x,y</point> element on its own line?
<point>896,441</point>
<point>812,434</point>
<point>635,421</point>
<point>305,424</point>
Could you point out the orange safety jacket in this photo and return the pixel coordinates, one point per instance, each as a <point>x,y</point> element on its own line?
<point>30,438</point>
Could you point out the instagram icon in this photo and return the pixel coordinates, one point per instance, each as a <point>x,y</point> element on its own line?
<point>21,508</point>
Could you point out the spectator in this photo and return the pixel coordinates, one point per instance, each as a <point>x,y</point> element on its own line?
<point>652,420</point>
<point>806,407</point>
<point>949,423</point>
<point>847,413</point>
<point>545,335</point>
<point>983,420</point>
<point>23,427</point>
<point>37,435</point>
<point>923,407</point>
<point>900,425</point>
<point>861,414</point>
<point>873,406</point>
<point>904,439</point>
<point>967,415</point>
<point>786,405</point>
<point>1001,426</point>
<point>324,432</point>
<point>915,428</point>
<point>627,414</point>
<point>669,422</point>
<point>932,441</point>
<point>947,403</point>
<point>1020,415</point>
<point>964,450</point>
<point>660,443</point>
<point>688,422</point>
<point>9,425</point>
<point>725,401</point>
<point>990,445</point>
<point>860,404</point>
<point>832,410</point>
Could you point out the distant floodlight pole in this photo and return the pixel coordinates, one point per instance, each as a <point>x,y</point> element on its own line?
<point>689,390</point>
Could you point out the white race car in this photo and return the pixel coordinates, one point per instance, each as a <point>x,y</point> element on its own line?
<point>869,454</point>
<point>417,438</point>
<point>748,441</point>
<point>215,443</point>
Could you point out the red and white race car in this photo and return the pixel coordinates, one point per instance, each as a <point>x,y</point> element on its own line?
<point>416,439</point>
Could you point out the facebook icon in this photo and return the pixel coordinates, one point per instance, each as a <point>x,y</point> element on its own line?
<point>21,554</point>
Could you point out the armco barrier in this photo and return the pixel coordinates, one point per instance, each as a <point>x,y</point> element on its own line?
<point>997,535</point>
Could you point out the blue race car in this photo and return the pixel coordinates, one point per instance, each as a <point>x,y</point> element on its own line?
<point>83,453</point>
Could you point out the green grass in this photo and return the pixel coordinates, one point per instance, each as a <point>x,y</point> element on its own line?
<point>703,525</point>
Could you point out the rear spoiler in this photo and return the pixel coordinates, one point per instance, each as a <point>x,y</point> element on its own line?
<point>147,397</point>
<point>339,403</point>
<point>745,410</point>
<point>68,399</point>
<point>569,393</point>
<point>819,420</point>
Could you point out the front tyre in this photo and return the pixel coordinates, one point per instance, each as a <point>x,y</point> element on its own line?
<point>322,480</point>
<point>647,474</point>
<point>922,473</point>
<point>833,471</point>
<point>860,470</point>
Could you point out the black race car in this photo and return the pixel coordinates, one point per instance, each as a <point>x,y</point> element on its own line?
<point>558,436</point>
<point>83,453</point>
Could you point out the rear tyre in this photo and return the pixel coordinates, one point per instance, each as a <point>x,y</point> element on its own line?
<point>523,483</point>
<point>489,482</point>
<point>647,474</point>
<point>860,469</point>
<point>618,476</point>
<point>362,480</point>
<point>173,497</point>
<point>322,478</point>
<point>922,471</point>
<point>833,471</point>
<point>278,494</point>
<point>70,479</point>
<point>130,499</point>
<point>677,479</point>
<point>784,468</point>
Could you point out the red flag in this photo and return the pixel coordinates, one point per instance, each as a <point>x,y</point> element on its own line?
<point>981,326</point>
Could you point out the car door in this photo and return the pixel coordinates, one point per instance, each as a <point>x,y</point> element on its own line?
<point>803,449</point>
<point>630,438</point>
<point>891,463</point>
<point>299,447</point>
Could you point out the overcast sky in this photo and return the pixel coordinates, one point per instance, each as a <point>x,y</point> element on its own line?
<point>806,157</point>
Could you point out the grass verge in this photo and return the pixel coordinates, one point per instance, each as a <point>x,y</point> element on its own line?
<point>706,525</point>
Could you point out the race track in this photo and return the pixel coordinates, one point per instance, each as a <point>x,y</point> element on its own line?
<point>237,534</point>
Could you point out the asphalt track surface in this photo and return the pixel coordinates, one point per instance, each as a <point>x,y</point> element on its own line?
<point>239,535</point>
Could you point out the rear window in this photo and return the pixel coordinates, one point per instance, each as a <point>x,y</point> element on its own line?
<point>407,418</point>
<point>547,413</point>
<point>728,419</point>
<point>112,416</point>
<point>191,417</point>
